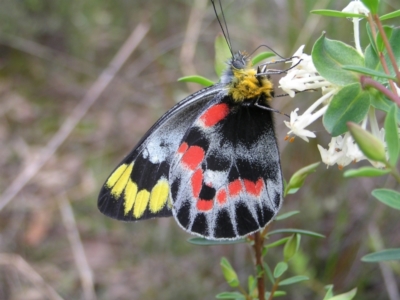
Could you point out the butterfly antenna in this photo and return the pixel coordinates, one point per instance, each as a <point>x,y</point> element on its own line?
<point>226,34</point>
<point>272,50</point>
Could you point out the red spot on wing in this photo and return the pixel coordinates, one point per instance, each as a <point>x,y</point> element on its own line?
<point>204,205</point>
<point>254,188</point>
<point>193,157</point>
<point>221,196</point>
<point>182,148</point>
<point>197,180</point>
<point>235,187</point>
<point>214,114</point>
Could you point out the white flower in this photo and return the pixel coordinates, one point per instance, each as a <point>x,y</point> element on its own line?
<point>330,156</point>
<point>297,124</point>
<point>344,150</point>
<point>356,7</point>
<point>302,75</point>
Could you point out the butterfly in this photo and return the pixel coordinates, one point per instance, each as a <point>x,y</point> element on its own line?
<point>212,161</point>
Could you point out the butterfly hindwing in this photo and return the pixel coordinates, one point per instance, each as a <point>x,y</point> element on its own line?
<point>139,187</point>
<point>225,178</point>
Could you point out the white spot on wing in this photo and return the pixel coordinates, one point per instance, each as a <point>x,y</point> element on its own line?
<point>215,179</point>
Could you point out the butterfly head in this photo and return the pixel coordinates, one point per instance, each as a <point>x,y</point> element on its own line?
<point>244,82</point>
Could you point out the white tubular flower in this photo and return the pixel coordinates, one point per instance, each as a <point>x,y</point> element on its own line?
<point>330,156</point>
<point>344,150</point>
<point>356,7</point>
<point>297,124</point>
<point>302,76</point>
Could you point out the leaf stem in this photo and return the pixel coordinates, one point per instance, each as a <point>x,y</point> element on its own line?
<point>274,288</point>
<point>368,81</point>
<point>258,244</point>
<point>387,45</point>
<point>395,174</point>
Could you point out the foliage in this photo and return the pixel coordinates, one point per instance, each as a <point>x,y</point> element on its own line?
<point>52,52</point>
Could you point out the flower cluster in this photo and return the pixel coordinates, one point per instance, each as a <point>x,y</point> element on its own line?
<point>303,76</point>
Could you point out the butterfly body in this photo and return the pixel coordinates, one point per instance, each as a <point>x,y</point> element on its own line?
<point>211,161</point>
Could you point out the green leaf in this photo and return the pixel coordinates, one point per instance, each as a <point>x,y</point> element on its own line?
<point>329,292</point>
<point>369,144</point>
<point>280,268</point>
<point>349,104</point>
<point>372,60</point>
<point>230,295</point>
<point>347,296</point>
<point>291,247</point>
<point>366,172</point>
<point>371,45</point>
<point>293,280</point>
<point>392,136</point>
<point>293,230</point>
<point>391,15</point>
<point>368,71</point>
<point>229,273</point>
<point>288,214</point>
<point>268,271</point>
<point>264,251</point>
<point>196,79</point>
<point>298,178</point>
<point>252,283</point>
<point>379,40</point>
<point>384,255</point>
<point>276,294</point>
<point>222,54</point>
<point>329,56</point>
<point>382,103</point>
<point>204,242</point>
<point>277,243</point>
<point>261,56</point>
<point>372,5</point>
<point>336,13</point>
<point>389,197</point>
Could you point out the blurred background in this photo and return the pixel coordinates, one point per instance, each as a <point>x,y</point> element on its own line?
<point>68,116</point>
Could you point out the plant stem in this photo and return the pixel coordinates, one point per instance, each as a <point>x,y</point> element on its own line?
<point>395,174</point>
<point>258,244</point>
<point>368,81</point>
<point>387,45</point>
<point>274,288</point>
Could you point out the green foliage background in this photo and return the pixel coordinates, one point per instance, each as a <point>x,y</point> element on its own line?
<point>50,54</point>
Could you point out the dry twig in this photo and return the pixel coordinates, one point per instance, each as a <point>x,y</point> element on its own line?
<point>27,271</point>
<point>76,116</point>
<point>78,251</point>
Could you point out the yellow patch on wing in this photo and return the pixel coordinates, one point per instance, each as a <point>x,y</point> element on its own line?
<point>142,199</point>
<point>159,195</point>
<point>130,196</point>
<point>119,179</point>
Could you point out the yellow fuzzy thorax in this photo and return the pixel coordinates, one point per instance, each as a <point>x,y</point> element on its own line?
<point>245,85</point>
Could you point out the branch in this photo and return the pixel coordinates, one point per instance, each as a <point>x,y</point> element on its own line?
<point>77,114</point>
<point>26,270</point>
<point>368,81</point>
<point>258,244</point>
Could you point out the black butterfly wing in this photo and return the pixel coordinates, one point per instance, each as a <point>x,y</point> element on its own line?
<point>225,179</point>
<point>139,187</point>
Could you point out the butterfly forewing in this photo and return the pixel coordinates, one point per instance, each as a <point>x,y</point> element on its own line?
<point>139,187</point>
<point>225,178</point>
